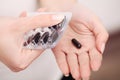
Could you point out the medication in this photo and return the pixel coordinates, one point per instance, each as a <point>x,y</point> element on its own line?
<point>36,38</point>
<point>46,37</point>
<point>76,43</point>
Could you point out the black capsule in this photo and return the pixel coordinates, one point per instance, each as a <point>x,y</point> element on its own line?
<point>30,39</point>
<point>45,37</point>
<point>25,44</point>
<point>54,36</point>
<point>76,43</point>
<point>36,37</point>
<point>55,27</point>
<point>49,27</point>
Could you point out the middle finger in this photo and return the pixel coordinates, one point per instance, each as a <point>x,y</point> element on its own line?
<point>73,65</point>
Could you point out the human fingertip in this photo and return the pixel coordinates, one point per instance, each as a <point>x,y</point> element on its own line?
<point>65,72</point>
<point>102,48</point>
<point>76,77</point>
<point>96,67</point>
<point>85,78</point>
<point>101,41</point>
<point>66,75</point>
<point>57,17</point>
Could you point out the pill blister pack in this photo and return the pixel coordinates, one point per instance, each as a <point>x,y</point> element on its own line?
<point>46,37</point>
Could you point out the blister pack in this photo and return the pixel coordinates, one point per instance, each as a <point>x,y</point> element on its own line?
<point>47,37</point>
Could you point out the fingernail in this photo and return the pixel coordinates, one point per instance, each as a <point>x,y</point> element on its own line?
<point>102,48</point>
<point>66,75</point>
<point>58,17</point>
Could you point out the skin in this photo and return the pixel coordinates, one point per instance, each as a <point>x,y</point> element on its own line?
<point>12,31</point>
<point>86,27</point>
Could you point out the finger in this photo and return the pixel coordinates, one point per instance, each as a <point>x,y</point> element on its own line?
<point>101,35</point>
<point>73,65</point>
<point>23,14</point>
<point>61,61</point>
<point>84,65</point>
<point>42,20</point>
<point>95,59</point>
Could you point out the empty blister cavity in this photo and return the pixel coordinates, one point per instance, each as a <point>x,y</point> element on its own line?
<point>47,37</point>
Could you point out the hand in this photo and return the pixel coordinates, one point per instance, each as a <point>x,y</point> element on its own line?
<point>12,31</point>
<point>89,31</point>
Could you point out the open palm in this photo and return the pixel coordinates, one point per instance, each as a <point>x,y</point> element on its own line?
<point>88,30</point>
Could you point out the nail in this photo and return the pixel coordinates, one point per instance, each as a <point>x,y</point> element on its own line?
<point>102,48</point>
<point>66,75</point>
<point>58,17</point>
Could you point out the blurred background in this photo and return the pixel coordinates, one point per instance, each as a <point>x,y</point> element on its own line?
<point>45,67</point>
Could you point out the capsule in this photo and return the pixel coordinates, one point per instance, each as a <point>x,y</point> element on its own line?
<point>76,43</point>
<point>54,36</point>
<point>45,37</point>
<point>55,27</point>
<point>36,37</point>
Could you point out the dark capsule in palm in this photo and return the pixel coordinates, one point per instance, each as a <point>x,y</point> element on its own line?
<point>76,43</point>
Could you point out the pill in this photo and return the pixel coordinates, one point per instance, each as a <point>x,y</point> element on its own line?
<point>55,27</point>
<point>49,27</point>
<point>76,43</point>
<point>54,36</point>
<point>36,37</point>
<point>45,37</point>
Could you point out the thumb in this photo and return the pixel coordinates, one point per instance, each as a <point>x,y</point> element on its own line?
<point>43,20</point>
<point>101,35</point>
